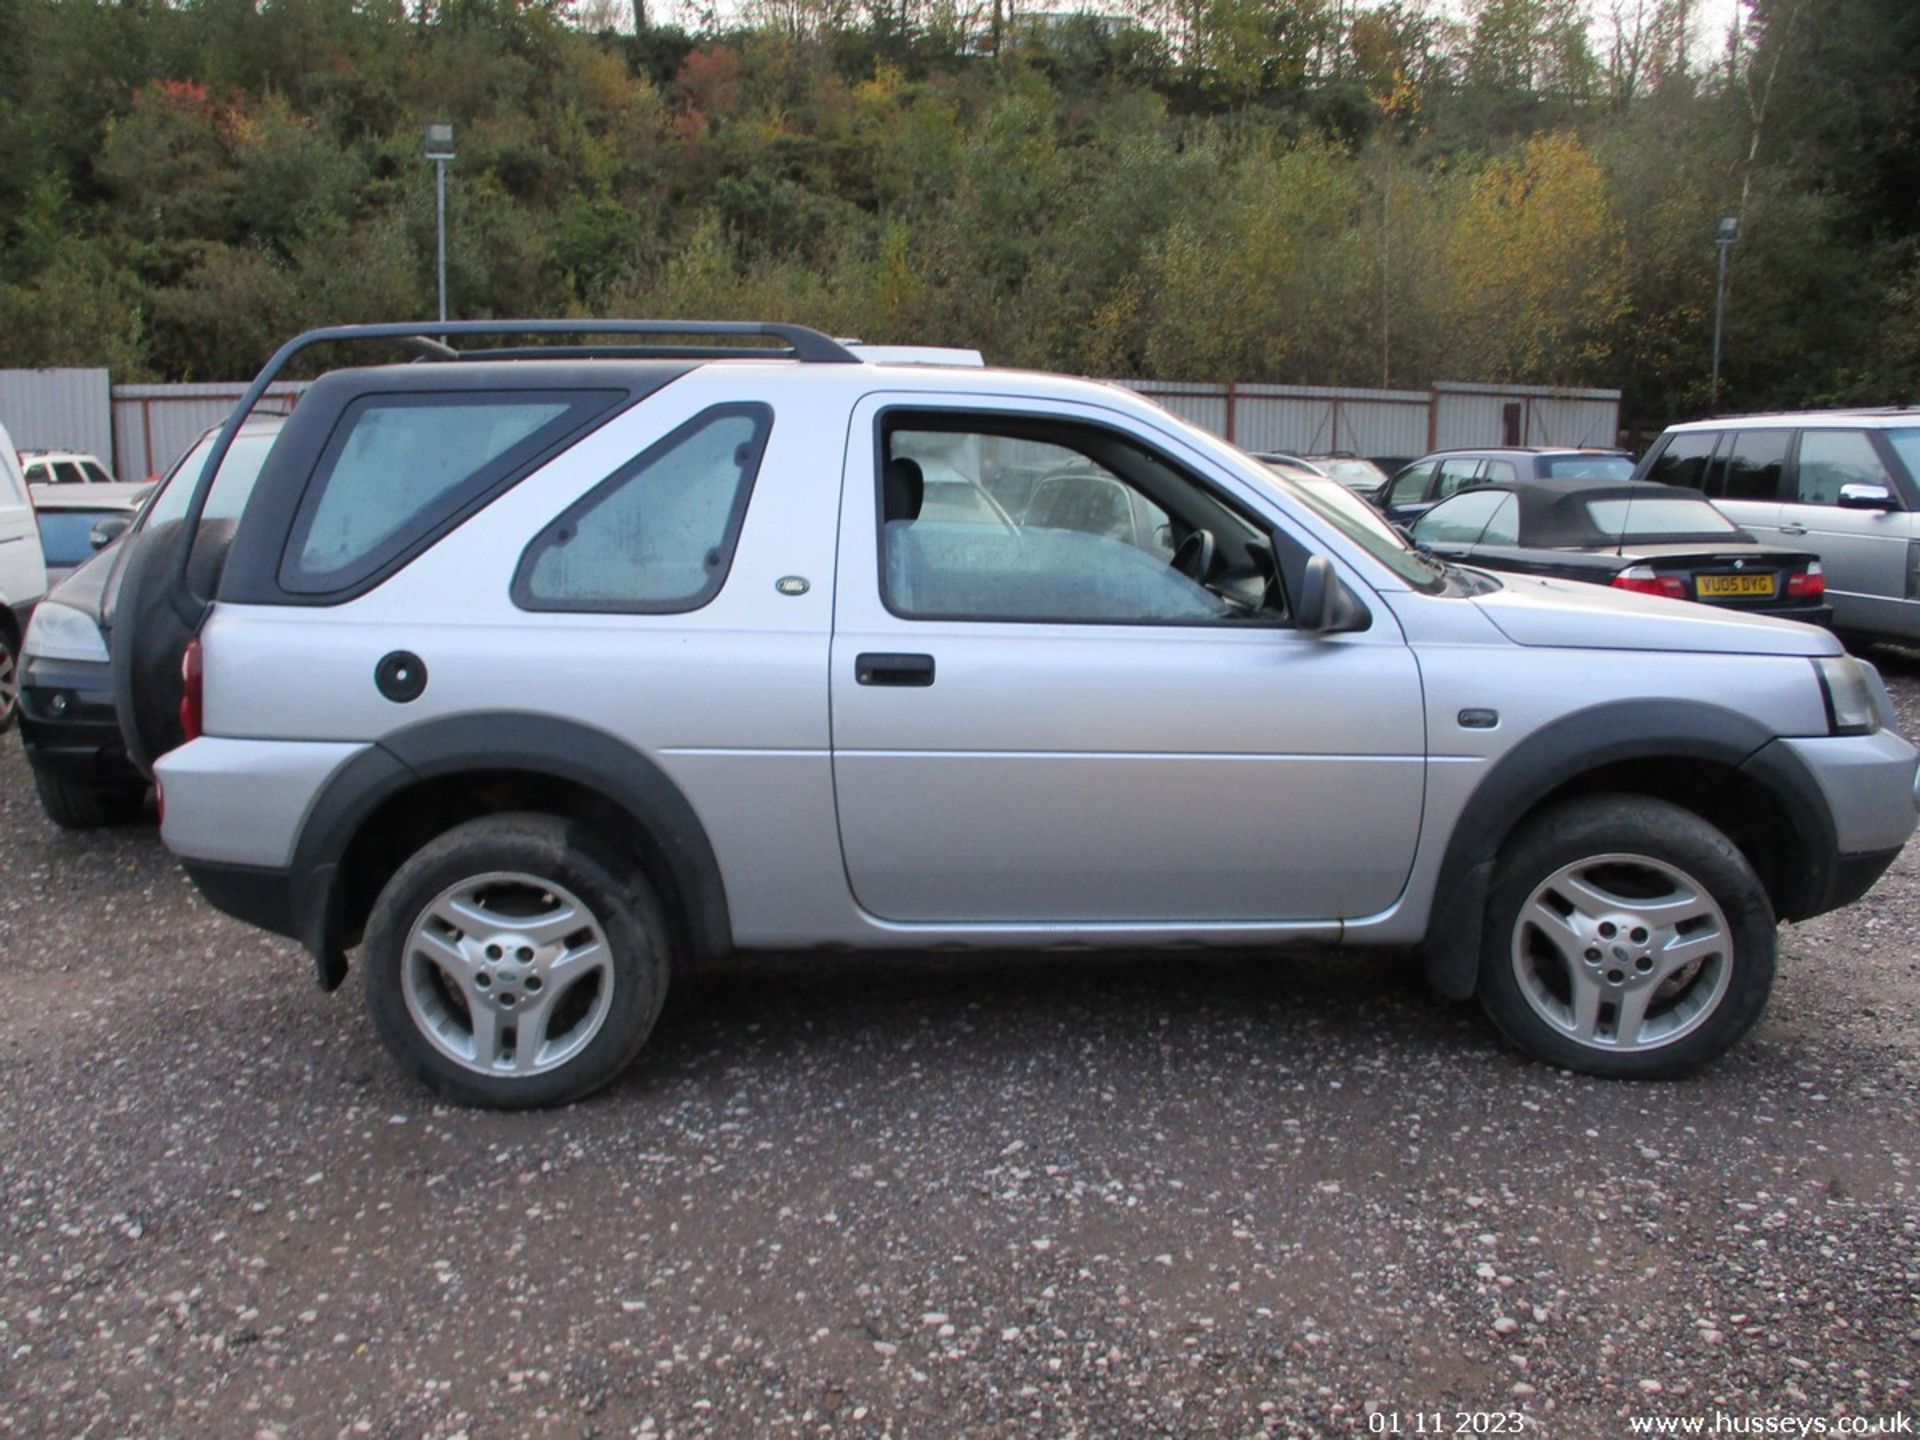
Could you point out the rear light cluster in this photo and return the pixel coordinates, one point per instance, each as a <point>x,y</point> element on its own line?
<point>191,686</point>
<point>1810,585</point>
<point>1642,580</point>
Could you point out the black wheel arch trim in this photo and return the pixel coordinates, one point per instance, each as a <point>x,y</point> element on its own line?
<point>1590,740</point>
<point>494,742</point>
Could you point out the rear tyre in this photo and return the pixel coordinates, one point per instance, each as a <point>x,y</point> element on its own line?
<point>87,807</point>
<point>516,961</point>
<point>1626,937</point>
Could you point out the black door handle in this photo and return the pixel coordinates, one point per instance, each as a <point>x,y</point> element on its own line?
<point>878,669</point>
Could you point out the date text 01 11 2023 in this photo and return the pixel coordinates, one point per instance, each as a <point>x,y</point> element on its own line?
<point>1446,1422</point>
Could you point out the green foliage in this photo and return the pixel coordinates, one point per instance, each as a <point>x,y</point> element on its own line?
<point>1368,192</point>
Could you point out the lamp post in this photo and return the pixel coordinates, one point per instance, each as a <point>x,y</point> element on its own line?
<point>1724,234</point>
<point>439,148</point>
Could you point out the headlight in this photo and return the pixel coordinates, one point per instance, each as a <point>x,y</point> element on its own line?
<point>1849,695</point>
<point>60,632</point>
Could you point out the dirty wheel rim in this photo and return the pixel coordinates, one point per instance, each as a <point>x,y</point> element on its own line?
<point>507,974</point>
<point>1622,952</point>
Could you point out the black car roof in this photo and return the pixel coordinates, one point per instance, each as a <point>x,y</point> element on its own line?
<point>1556,513</point>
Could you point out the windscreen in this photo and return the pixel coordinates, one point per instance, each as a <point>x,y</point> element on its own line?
<point>1587,467</point>
<point>1907,444</point>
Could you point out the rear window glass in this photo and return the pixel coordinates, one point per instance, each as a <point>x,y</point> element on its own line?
<point>230,488</point>
<point>399,465</point>
<point>1588,467</point>
<point>1684,460</point>
<point>1752,470</point>
<point>1645,519</point>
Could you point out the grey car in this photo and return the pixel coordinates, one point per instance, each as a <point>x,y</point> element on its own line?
<point>1844,484</point>
<point>534,676</point>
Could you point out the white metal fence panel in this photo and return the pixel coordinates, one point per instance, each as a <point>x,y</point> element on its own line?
<point>1202,405</point>
<point>1523,415</point>
<point>154,424</point>
<point>1393,428</point>
<point>65,409</point>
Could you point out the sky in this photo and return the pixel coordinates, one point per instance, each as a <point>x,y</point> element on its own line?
<point>1708,19</point>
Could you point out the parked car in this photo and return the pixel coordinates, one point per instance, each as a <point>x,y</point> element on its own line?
<point>63,467</point>
<point>23,575</point>
<point>1841,483</point>
<point>1353,471</point>
<point>536,679</point>
<point>67,720</point>
<point>1432,478</point>
<point>76,521</point>
<point>1631,536</point>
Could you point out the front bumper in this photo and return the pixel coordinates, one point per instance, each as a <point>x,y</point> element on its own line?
<point>68,725</point>
<point>1869,800</point>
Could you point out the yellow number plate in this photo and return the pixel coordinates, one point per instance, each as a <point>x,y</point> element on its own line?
<point>1725,587</point>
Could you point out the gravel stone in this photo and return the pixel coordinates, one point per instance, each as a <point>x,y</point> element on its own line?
<point>918,1195</point>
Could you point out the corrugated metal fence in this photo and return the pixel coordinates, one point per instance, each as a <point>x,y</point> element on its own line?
<point>146,427</point>
<point>57,410</point>
<point>1316,420</point>
<point>154,424</point>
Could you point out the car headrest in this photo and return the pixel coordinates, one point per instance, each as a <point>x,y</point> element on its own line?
<point>903,486</point>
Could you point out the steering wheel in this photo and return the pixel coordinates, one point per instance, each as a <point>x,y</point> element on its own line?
<point>1193,556</point>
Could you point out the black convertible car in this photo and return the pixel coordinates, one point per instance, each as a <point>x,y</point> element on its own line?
<point>1630,535</point>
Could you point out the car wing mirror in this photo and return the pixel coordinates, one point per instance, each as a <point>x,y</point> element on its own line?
<point>105,532</point>
<point>1863,496</point>
<point>1328,605</point>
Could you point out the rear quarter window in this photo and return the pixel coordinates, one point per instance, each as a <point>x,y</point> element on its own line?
<point>397,466</point>
<point>658,535</point>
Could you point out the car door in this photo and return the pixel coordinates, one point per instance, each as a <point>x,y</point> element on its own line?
<point>1745,480</point>
<point>1864,552</point>
<point>1055,727</point>
<point>23,574</point>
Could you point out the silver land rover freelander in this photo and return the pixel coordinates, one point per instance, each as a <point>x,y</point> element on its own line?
<point>532,673</point>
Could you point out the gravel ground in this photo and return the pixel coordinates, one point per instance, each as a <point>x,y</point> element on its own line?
<point>1014,1196</point>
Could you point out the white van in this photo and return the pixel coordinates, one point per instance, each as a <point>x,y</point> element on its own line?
<point>23,574</point>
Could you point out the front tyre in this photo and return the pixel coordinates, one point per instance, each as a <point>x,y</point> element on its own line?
<point>515,961</point>
<point>1626,937</point>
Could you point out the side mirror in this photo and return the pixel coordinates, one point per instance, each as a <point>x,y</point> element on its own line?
<point>105,532</point>
<point>1327,605</point>
<point>1859,496</point>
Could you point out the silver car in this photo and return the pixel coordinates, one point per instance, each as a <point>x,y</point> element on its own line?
<point>1844,484</point>
<point>534,675</point>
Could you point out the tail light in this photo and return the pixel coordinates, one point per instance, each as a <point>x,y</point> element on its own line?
<point>191,687</point>
<point>1642,580</point>
<point>1808,586</point>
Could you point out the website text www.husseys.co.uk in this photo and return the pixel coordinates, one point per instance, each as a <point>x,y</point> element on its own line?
<point>1721,1422</point>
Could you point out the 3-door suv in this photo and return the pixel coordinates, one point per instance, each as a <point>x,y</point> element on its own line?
<point>1432,478</point>
<point>538,672</point>
<point>1839,483</point>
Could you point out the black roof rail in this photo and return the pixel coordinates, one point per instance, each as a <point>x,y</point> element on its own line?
<point>430,339</point>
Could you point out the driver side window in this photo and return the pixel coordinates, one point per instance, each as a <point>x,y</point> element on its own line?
<point>1109,532</point>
